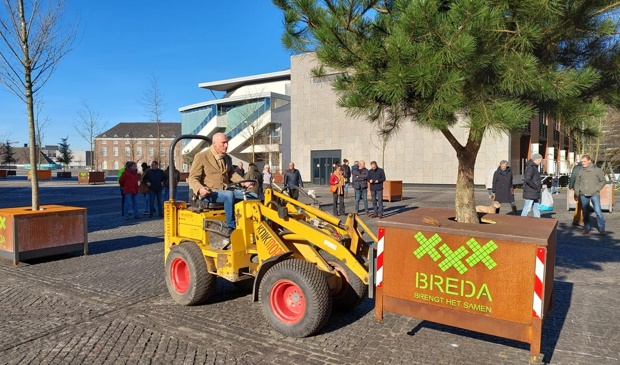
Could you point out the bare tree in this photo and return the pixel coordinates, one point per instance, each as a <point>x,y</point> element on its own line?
<point>252,124</point>
<point>132,146</point>
<point>608,143</point>
<point>39,125</point>
<point>88,126</point>
<point>33,41</point>
<point>153,103</point>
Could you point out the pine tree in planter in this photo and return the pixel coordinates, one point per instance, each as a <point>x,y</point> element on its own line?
<point>488,64</point>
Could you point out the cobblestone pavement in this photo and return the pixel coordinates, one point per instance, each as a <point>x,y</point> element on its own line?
<point>112,307</point>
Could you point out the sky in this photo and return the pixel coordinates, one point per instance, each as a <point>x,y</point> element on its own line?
<point>122,45</point>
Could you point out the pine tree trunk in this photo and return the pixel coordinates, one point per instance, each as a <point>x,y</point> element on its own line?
<point>465,203</point>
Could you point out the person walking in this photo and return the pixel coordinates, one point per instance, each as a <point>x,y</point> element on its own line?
<point>336,182</point>
<point>144,189</point>
<point>239,169</point>
<point>588,186</point>
<point>532,186</point>
<point>129,183</point>
<point>254,174</point>
<point>502,186</point>
<point>267,177</point>
<point>555,184</point>
<point>155,179</point>
<point>578,215</point>
<point>360,184</point>
<point>175,179</point>
<point>376,177</point>
<point>292,181</point>
<point>120,173</point>
<point>346,170</point>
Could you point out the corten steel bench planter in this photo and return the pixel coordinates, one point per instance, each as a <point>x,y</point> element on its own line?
<point>607,198</point>
<point>54,229</point>
<point>490,278</point>
<point>41,174</point>
<point>278,178</point>
<point>91,177</point>
<point>4,174</point>
<point>184,176</point>
<point>392,189</point>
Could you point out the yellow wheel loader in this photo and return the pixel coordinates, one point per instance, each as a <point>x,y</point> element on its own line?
<point>299,261</point>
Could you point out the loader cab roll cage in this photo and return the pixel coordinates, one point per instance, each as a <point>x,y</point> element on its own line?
<point>171,160</point>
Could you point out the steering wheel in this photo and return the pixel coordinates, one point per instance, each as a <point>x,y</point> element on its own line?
<point>238,184</point>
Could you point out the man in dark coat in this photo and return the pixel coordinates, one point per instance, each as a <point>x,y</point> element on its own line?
<point>588,186</point>
<point>155,179</point>
<point>346,170</point>
<point>376,177</point>
<point>360,184</point>
<point>578,215</point>
<point>532,186</point>
<point>503,190</point>
<point>293,181</point>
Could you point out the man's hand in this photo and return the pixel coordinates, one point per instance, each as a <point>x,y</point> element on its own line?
<point>204,191</point>
<point>493,196</point>
<point>248,184</point>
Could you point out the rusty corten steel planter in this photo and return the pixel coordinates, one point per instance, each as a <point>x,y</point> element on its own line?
<point>54,229</point>
<point>480,277</point>
<point>91,177</point>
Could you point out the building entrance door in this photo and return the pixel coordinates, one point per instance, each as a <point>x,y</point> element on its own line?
<point>323,164</point>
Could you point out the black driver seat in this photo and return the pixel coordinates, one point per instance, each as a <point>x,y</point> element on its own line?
<point>198,205</point>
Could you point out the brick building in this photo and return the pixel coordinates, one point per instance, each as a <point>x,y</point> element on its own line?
<point>138,142</point>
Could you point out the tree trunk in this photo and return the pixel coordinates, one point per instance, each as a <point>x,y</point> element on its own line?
<point>465,202</point>
<point>30,106</point>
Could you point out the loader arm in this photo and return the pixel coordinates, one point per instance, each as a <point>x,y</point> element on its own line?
<point>319,228</point>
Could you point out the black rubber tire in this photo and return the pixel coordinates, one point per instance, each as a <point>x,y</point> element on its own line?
<point>353,290</point>
<point>314,291</point>
<point>201,283</point>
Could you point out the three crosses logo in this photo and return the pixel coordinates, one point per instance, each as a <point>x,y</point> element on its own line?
<point>453,258</point>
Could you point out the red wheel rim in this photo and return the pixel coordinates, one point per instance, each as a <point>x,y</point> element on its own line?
<point>179,275</point>
<point>287,301</point>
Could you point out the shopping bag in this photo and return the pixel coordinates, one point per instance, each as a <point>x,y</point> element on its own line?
<point>546,203</point>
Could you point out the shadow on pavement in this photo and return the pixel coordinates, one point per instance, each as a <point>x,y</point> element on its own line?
<point>117,244</point>
<point>342,319</point>
<point>554,322</point>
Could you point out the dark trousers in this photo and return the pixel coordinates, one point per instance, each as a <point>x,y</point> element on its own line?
<point>377,201</point>
<point>156,196</point>
<point>338,204</point>
<point>293,193</point>
<point>122,202</point>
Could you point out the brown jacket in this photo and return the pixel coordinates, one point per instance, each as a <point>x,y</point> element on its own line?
<point>206,172</point>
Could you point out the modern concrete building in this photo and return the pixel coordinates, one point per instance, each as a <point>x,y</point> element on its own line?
<point>137,142</point>
<point>322,134</point>
<point>254,113</point>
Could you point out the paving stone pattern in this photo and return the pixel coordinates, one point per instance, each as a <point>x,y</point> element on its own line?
<point>112,306</point>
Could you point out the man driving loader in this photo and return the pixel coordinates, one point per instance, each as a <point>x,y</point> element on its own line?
<point>211,173</point>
